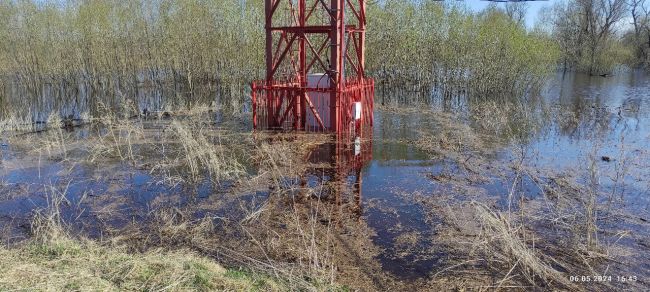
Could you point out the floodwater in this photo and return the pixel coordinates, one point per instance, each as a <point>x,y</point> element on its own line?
<point>578,118</point>
<point>607,117</point>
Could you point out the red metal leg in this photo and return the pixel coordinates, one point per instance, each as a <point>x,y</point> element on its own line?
<point>254,104</point>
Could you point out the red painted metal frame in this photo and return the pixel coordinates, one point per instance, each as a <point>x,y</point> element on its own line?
<point>275,106</point>
<point>313,37</point>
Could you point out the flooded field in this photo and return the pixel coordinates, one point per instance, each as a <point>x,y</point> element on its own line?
<point>456,194</point>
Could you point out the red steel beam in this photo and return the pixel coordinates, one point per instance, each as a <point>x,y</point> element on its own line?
<point>335,64</point>
<point>269,15</point>
<point>315,112</point>
<point>354,10</point>
<point>275,66</point>
<point>338,49</point>
<point>269,38</point>
<point>324,29</point>
<point>316,56</point>
<point>274,58</point>
<point>299,107</point>
<point>362,39</point>
<point>347,55</point>
<point>311,10</point>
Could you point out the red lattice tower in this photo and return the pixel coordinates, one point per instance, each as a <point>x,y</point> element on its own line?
<point>315,60</point>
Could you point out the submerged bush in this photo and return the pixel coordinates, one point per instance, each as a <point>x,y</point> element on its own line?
<point>71,56</point>
<point>177,53</point>
<point>453,50</point>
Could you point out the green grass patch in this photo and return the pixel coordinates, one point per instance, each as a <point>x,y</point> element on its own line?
<point>84,265</point>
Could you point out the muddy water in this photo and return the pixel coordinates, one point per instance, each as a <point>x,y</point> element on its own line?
<point>579,118</point>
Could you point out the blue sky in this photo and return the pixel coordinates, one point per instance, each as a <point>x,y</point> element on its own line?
<point>531,13</point>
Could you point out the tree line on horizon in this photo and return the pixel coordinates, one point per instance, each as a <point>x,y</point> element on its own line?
<point>595,36</point>
<point>53,51</point>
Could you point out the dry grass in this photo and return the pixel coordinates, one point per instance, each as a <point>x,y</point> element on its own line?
<point>202,153</point>
<point>450,139</point>
<point>117,135</point>
<point>254,244</point>
<point>15,122</point>
<point>446,135</point>
<point>185,149</point>
<point>54,142</point>
<point>282,159</point>
<point>512,120</point>
<point>510,244</point>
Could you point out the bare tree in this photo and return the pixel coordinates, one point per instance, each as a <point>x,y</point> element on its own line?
<point>635,10</point>
<point>641,21</point>
<point>516,10</point>
<point>600,17</point>
<point>567,30</point>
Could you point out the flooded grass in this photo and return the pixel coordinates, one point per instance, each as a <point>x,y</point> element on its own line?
<point>505,196</point>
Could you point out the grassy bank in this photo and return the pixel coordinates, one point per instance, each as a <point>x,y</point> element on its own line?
<point>53,259</point>
<point>83,265</point>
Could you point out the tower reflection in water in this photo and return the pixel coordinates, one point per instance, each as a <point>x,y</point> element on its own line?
<point>339,163</point>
